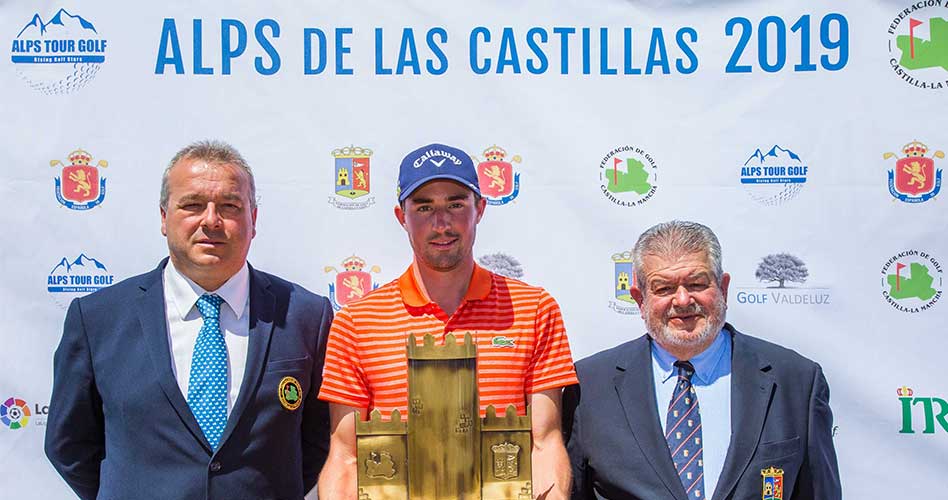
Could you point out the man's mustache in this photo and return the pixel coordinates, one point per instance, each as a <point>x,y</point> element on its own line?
<point>689,310</point>
<point>438,236</point>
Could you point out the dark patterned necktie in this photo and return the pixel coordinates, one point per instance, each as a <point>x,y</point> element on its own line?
<point>683,432</point>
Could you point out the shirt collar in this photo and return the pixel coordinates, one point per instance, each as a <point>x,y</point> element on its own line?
<point>709,365</point>
<point>186,292</point>
<point>415,295</point>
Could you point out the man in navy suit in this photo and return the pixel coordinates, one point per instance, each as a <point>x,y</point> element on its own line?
<point>197,380</point>
<point>695,409</point>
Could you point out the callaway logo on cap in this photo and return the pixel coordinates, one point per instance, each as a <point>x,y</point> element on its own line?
<point>435,161</point>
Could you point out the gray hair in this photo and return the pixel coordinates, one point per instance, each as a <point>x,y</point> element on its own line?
<point>211,151</point>
<point>676,238</point>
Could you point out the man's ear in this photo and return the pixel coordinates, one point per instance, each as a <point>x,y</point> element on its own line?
<point>164,216</point>
<point>637,295</point>
<point>400,215</point>
<point>481,206</point>
<point>253,222</point>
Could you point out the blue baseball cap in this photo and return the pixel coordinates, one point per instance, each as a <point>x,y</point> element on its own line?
<point>436,161</point>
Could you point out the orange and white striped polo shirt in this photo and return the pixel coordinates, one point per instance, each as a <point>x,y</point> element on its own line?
<point>521,342</point>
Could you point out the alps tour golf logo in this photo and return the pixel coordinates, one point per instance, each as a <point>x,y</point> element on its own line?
<point>58,56</point>
<point>76,277</point>
<point>774,176</point>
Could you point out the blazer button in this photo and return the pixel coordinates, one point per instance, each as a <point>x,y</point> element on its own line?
<point>215,466</point>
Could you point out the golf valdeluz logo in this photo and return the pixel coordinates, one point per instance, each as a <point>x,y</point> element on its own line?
<point>352,178</point>
<point>914,178</point>
<point>80,185</point>
<point>623,279</point>
<point>72,278</point>
<point>499,182</point>
<point>774,177</point>
<point>628,176</point>
<point>780,270</point>
<point>912,281</point>
<point>918,44</point>
<point>16,413</point>
<point>59,56</point>
<point>352,283</point>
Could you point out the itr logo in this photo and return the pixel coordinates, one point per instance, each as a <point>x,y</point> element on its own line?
<point>15,413</point>
<point>929,410</point>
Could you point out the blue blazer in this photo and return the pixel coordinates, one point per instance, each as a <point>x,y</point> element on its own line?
<point>780,417</point>
<point>119,427</point>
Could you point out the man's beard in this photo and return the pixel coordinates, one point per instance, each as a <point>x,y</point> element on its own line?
<point>664,334</point>
<point>440,260</point>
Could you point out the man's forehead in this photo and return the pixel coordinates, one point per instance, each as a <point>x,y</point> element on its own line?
<point>200,165</point>
<point>658,266</point>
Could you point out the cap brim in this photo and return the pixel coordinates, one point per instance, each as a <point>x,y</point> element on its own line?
<point>411,188</point>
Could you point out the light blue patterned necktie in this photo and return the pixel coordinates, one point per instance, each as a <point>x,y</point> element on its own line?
<point>207,384</point>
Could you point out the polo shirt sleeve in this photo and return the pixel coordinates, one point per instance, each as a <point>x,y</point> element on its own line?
<point>344,380</point>
<point>552,364</point>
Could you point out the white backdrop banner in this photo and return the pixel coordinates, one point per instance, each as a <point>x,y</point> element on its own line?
<point>809,136</point>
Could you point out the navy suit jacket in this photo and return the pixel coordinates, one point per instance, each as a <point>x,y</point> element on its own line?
<point>780,417</point>
<point>119,427</point>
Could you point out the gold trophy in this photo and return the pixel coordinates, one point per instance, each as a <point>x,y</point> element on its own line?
<point>444,451</point>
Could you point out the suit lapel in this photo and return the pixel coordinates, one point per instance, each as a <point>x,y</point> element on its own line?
<point>751,389</point>
<point>262,311</point>
<point>151,315</point>
<point>636,389</point>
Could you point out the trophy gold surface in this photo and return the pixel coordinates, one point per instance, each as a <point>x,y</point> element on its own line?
<point>444,451</point>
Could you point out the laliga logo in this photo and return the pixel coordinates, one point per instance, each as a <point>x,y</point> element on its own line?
<point>351,284</point>
<point>59,56</point>
<point>80,187</point>
<point>15,413</point>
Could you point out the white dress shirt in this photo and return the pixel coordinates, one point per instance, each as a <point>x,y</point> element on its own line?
<point>712,383</point>
<point>185,321</point>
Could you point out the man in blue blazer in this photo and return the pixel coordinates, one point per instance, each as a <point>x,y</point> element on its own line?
<point>695,409</point>
<point>197,380</point>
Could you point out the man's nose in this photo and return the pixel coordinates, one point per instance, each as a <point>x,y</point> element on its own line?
<point>212,218</point>
<point>441,219</point>
<point>682,297</point>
